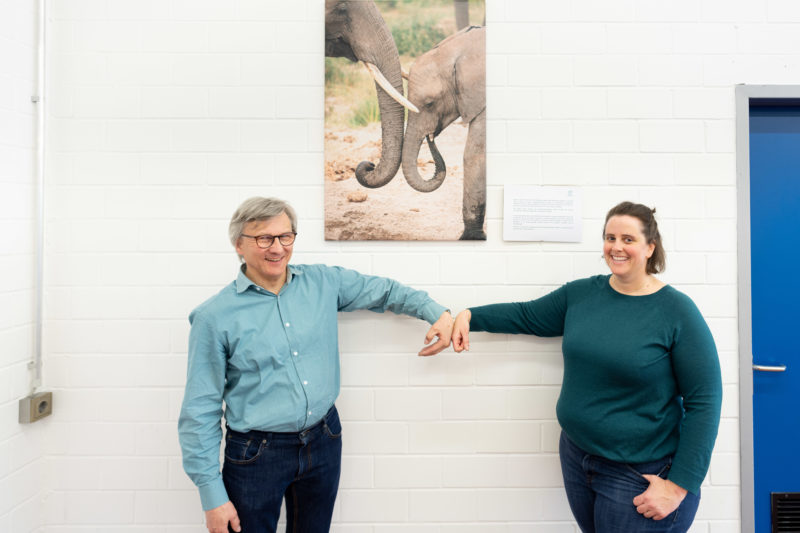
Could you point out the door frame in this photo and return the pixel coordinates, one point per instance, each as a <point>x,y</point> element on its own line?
<point>745,93</point>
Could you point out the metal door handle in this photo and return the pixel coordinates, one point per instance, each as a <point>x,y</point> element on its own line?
<point>764,368</point>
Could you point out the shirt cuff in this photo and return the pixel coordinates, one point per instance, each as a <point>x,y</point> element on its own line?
<point>213,494</point>
<point>432,311</point>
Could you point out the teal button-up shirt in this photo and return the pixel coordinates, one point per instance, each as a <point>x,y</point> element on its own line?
<point>273,359</point>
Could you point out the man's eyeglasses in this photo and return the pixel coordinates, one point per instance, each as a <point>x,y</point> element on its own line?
<point>265,241</point>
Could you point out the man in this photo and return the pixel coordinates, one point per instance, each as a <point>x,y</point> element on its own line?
<point>267,346</point>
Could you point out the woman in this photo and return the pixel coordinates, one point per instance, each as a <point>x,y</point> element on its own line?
<point>640,401</point>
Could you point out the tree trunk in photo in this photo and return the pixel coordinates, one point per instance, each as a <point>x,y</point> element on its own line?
<point>462,14</point>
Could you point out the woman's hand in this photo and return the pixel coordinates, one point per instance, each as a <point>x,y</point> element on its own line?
<point>461,331</point>
<point>660,499</point>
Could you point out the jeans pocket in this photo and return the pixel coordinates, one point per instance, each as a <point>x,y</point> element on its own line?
<point>658,468</point>
<point>661,469</point>
<point>243,450</point>
<point>332,425</point>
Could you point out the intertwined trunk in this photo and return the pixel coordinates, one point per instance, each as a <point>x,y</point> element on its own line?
<point>411,146</point>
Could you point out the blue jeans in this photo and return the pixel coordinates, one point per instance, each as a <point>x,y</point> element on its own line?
<point>601,492</point>
<point>262,467</point>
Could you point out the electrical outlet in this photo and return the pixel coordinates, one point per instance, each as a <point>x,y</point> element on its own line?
<point>35,407</point>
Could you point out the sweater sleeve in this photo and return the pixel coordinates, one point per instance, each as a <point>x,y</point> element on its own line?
<point>543,317</point>
<point>697,372</point>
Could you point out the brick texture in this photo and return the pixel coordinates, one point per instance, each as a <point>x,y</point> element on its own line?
<point>23,474</point>
<point>163,116</point>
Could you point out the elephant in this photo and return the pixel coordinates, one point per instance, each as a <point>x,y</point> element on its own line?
<point>355,29</point>
<point>447,82</point>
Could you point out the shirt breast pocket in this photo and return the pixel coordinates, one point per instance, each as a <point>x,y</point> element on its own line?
<point>259,350</point>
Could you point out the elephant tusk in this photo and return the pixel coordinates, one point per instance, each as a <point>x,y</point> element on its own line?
<point>404,73</point>
<point>381,80</point>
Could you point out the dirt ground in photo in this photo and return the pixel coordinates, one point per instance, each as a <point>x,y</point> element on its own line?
<point>394,211</point>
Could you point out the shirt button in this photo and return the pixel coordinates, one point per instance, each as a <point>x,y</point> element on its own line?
<point>294,354</point>
<point>305,383</point>
<point>287,324</point>
<point>309,412</point>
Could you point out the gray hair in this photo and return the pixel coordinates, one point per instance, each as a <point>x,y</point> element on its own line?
<point>258,208</point>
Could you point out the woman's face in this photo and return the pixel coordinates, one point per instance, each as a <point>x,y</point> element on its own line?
<point>625,247</point>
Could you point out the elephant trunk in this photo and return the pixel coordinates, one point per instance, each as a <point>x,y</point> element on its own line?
<point>411,153</point>
<point>382,53</point>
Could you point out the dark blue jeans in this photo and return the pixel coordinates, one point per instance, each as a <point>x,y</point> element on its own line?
<point>601,492</point>
<point>261,468</point>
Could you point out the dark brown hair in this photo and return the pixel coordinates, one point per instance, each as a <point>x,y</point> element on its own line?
<point>658,261</point>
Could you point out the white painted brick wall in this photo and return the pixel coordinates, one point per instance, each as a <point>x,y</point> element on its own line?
<point>163,116</point>
<point>22,453</point>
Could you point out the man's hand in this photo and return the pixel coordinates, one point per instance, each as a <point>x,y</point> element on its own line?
<point>461,331</point>
<point>443,329</point>
<point>217,519</point>
<point>660,499</point>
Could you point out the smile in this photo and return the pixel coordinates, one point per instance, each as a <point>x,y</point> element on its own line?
<point>618,258</point>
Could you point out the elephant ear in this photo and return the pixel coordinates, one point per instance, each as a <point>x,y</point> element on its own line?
<point>470,78</point>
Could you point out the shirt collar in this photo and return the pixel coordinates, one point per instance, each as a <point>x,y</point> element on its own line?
<point>243,282</point>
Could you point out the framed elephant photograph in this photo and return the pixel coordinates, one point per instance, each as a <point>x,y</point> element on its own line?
<point>405,120</point>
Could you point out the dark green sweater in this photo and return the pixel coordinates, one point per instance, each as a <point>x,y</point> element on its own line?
<point>641,373</point>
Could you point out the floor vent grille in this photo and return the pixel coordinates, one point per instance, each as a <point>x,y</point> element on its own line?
<point>785,512</point>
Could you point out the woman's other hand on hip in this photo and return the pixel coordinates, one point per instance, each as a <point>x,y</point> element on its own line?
<point>660,499</point>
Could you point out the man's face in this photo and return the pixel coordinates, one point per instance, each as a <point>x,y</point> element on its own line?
<point>266,266</point>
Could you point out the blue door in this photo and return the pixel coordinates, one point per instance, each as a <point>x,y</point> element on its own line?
<point>775,289</point>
